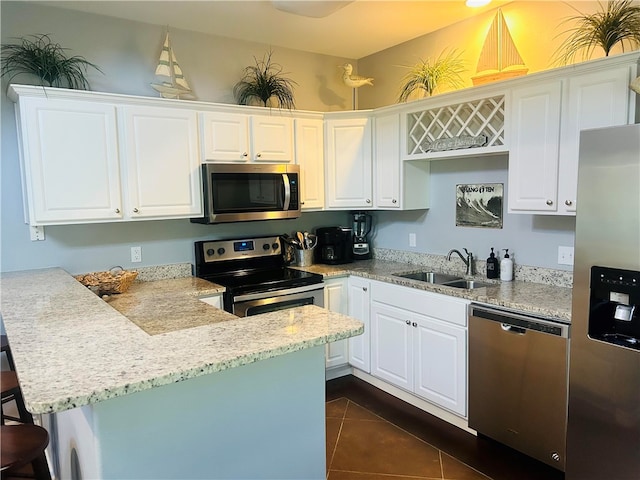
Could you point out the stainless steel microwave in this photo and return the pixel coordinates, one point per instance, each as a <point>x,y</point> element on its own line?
<point>247,192</point>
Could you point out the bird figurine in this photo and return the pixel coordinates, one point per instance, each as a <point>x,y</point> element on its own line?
<point>354,81</point>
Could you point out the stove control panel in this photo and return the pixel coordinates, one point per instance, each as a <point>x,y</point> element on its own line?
<point>219,250</point>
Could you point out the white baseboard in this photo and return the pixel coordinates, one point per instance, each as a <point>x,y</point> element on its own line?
<point>415,401</point>
<point>339,371</point>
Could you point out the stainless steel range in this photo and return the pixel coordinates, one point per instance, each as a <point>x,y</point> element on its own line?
<point>255,276</point>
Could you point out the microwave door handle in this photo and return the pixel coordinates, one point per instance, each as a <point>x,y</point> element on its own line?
<point>287,191</point>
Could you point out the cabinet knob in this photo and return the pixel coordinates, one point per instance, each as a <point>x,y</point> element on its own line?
<point>117,210</point>
<point>407,322</point>
<point>258,155</point>
<point>394,201</point>
<point>245,154</point>
<point>368,200</point>
<point>364,289</point>
<point>135,210</point>
<point>549,202</point>
<point>301,203</point>
<point>568,203</point>
<point>414,324</point>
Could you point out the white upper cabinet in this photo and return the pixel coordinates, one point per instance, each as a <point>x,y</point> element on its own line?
<point>387,161</point>
<point>309,147</point>
<point>348,163</point>
<point>272,139</point>
<point>598,99</point>
<point>237,137</point>
<point>162,162</point>
<point>547,118</point>
<point>533,156</point>
<point>224,137</point>
<point>70,161</point>
<point>399,184</point>
<point>87,161</point>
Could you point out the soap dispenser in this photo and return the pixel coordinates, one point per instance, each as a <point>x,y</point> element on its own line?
<point>493,267</point>
<point>506,267</point>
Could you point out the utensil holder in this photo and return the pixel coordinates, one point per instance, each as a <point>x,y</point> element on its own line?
<point>304,257</point>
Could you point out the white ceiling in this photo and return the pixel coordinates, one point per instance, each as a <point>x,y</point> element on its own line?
<point>354,31</point>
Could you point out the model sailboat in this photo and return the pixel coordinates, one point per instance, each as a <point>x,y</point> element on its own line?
<point>499,58</point>
<point>176,85</point>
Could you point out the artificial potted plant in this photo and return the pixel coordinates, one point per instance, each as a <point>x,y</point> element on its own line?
<point>40,56</point>
<point>429,76</point>
<point>264,81</point>
<point>619,23</point>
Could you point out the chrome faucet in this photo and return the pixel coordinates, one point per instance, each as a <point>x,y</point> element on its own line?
<point>467,261</point>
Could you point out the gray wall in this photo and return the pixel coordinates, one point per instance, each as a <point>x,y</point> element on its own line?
<point>532,239</point>
<point>127,53</point>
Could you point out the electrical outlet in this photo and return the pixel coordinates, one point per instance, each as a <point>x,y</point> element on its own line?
<point>565,255</point>
<point>37,233</point>
<point>412,239</point>
<point>136,254</point>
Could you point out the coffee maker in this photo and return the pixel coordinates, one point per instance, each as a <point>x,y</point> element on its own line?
<point>361,228</point>
<point>334,245</point>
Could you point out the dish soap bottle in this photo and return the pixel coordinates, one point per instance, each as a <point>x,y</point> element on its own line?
<point>493,267</point>
<point>506,267</point>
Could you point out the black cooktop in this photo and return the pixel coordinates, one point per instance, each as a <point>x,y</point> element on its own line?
<point>249,281</point>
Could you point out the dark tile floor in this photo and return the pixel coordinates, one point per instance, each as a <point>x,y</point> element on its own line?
<point>372,435</point>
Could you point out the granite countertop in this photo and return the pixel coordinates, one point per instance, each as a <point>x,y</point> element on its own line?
<point>535,298</point>
<point>71,348</point>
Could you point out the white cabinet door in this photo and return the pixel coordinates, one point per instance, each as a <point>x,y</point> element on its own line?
<point>162,162</point>
<point>309,135</point>
<point>387,162</point>
<point>392,345</point>
<point>533,151</point>
<point>440,351</point>
<point>271,139</point>
<point>224,137</point>
<point>598,99</point>
<point>70,161</point>
<point>359,304</point>
<point>336,300</point>
<point>348,163</point>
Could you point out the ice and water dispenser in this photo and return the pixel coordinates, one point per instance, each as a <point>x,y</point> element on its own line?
<point>614,311</point>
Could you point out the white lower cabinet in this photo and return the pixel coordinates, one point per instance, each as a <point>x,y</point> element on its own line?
<point>419,343</point>
<point>335,300</point>
<point>213,300</point>
<point>359,306</point>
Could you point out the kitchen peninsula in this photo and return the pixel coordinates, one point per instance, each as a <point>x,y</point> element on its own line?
<point>226,397</point>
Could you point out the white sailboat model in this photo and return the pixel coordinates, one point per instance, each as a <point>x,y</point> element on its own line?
<point>499,58</point>
<point>176,85</point>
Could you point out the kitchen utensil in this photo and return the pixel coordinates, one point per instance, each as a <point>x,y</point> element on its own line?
<point>300,237</point>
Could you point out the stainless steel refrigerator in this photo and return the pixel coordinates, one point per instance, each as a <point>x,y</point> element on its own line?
<point>603,432</point>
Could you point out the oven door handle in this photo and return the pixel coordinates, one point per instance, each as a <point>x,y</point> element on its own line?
<point>277,293</point>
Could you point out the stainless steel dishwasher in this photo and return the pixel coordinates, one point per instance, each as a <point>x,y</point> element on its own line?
<point>518,381</point>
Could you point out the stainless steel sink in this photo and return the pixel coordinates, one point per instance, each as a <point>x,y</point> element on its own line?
<point>429,277</point>
<point>468,284</point>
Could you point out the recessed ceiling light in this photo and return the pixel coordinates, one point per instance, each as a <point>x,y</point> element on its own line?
<point>477,3</point>
<point>310,8</point>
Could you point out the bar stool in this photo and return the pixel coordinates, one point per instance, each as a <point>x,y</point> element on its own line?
<point>4,343</point>
<point>11,393</point>
<point>23,445</point>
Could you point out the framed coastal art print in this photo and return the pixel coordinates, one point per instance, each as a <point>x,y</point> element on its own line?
<point>479,205</point>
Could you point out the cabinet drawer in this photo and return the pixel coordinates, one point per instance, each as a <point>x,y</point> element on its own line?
<point>434,305</point>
